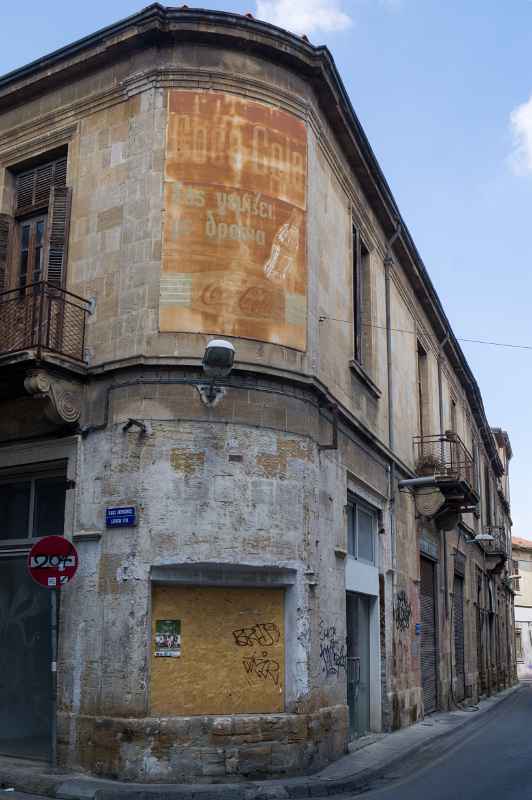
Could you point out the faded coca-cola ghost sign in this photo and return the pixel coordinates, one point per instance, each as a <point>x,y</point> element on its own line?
<point>234,243</point>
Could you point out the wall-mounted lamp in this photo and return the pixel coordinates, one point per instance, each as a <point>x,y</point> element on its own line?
<point>217,363</point>
<point>480,537</point>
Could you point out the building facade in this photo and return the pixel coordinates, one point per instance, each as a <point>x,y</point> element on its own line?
<point>298,567</point>
<point>522,568</point>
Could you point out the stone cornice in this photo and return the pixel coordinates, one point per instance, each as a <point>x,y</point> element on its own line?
<point>300,381</point>
<point>47,140</point>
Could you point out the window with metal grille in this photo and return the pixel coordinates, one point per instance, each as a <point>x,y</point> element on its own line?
<point>32,501</point>
<point>361,528</point>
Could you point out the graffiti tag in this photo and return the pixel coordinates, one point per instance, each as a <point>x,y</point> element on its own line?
<point>263,634</point>
<point>262,667</point>
<point>402,611</point>
<point>333,655</point>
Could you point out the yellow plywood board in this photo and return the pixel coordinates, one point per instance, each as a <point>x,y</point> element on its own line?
<point>234,239</point>
<point>231,651</point>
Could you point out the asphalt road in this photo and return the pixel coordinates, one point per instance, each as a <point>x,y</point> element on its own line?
<point>492,760</point>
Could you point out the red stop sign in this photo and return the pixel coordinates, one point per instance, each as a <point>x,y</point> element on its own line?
<point>53,561</point>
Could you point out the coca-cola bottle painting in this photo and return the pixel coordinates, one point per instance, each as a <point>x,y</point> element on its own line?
<point>284,250</point>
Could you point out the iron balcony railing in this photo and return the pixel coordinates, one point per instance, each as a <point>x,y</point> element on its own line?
<point>500,540</point>
<point>42,317</point>
<point>445,457</point>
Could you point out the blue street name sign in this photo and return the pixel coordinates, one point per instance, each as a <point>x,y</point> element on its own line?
<point>123,516</point>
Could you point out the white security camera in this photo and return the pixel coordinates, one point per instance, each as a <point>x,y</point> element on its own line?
<point>218,359</point>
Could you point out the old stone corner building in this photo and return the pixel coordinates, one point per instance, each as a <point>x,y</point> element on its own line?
<point>180,176</point>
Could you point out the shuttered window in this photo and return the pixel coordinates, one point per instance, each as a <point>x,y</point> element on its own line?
<point>6,224</point>
<point>58,223</point>
<point>33,188</point>
<point>42,216</point>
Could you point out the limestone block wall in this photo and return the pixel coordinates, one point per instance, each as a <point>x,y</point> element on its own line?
<point>116,169</point>
<point>222,493</point>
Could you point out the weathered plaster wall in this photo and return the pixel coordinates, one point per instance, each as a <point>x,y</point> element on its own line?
<point>217,492</point>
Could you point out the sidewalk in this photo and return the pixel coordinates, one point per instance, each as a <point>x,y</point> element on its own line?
<point>368,759</point>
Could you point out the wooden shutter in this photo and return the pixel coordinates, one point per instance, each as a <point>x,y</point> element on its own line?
<point>6,224</point>
<point>34,187</point>
<point>58,227</point>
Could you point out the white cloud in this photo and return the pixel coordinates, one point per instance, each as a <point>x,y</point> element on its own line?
<point>521,126</point>
<point>304,16</point>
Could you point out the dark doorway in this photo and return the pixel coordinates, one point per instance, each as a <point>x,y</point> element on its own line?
<point>25,656</point>
<point>358,663</point>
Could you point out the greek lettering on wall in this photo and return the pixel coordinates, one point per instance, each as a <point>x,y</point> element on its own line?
<point>234,241</point>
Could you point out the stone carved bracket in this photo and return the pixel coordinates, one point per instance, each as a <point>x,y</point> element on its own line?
<point>63,398</point>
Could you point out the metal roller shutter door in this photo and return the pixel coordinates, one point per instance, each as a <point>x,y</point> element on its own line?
<point>428,636</point>
<point>458,613</point>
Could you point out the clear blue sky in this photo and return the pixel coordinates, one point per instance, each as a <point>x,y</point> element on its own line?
<point>434,85</point>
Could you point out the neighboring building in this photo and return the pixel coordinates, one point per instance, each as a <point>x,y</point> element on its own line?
<point>522,569</point>
<point>179,176</point>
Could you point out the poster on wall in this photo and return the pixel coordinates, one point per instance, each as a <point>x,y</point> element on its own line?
<point>234,240</point>
<point>168,638</point>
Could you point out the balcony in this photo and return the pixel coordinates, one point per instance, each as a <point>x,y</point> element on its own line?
<point>41,321</point>
<point>497,550</point>
<point>445,458</point>
<point>499,545</point>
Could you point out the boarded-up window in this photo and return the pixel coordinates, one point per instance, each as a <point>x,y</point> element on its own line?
<point>230,657</point>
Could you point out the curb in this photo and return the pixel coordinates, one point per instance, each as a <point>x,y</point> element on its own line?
<point>27,777</point>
